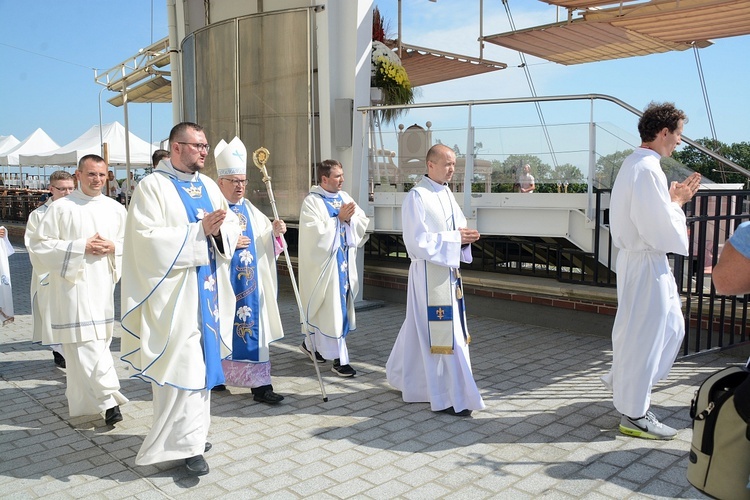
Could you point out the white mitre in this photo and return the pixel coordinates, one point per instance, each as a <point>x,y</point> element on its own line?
<point>231,159</point>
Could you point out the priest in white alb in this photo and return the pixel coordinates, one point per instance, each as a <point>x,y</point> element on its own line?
<point>60,184</point>
<point>79,243</point>
<point>177,300</point>
<point>331,228</point>
<point>429,362</point>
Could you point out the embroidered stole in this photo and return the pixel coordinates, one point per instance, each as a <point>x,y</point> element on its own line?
<point>441,281</point>
<point>197,204</point>
<point>342,257</point>
<point>246,338</point>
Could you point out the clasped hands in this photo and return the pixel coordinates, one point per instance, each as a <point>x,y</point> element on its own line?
<point>96,245</point>
<point>468,236</point>
<point>347,211</point>
<point>682,192</point>
<point>212,222</point>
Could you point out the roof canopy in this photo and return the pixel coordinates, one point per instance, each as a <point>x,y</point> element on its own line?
<point>37,142</point>
<point>425,66</point>
<point>584,4</point>
<point>141,77</point>
<point>7,142</point>
<point>90,143</point>
<point>627,29</point>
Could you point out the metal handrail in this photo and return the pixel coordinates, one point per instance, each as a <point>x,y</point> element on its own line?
<point>571,97</point>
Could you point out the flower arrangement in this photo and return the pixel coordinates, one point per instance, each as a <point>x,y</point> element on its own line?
<point>388,74</point>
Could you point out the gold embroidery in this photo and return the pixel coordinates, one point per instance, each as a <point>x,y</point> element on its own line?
<point>441,350</point>
<point>194,191</point>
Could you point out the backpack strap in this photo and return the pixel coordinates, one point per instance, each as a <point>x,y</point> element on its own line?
<point>742,400</point>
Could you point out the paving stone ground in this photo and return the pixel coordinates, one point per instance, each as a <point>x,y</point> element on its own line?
<point>549,430</point>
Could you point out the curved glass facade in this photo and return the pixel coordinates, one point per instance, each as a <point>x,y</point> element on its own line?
<point>251,77</point>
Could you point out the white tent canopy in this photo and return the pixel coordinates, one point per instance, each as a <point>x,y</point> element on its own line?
<point>7,142</point>
<point>90,143</point>
<point>37,142</point>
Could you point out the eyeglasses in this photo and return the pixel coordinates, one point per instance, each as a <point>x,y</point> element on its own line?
<point>197,145</point>
<point>236,182</point>
<point>63,190</point>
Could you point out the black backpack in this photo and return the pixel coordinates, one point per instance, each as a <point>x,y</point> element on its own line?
<point>719,462</point>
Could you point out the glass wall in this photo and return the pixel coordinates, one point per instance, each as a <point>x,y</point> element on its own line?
<point>274,111</point>
<point>215,89</point>
<point>251,78</point>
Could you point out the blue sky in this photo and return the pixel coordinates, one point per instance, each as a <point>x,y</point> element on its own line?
<point>49,48</point>
<point>671,76</point>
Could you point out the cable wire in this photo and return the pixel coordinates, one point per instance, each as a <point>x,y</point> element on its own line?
<point>704,90</point>
<point>48,57</point>
<point>531,87</point>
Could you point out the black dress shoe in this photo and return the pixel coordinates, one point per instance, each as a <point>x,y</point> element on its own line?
<point>452,411</point>
<point>112,416</point>
<point>207,447</point>
<point>59,359</point>
<point>219,388</point>
<point>196,466</point>
<point>269,397</point>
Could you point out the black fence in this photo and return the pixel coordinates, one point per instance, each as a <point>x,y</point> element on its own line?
<point>711,321</point>
<point>554,258</point>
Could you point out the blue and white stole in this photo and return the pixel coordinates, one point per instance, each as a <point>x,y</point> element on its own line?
<point>443,284</point>
<point>245,341</point>
<point>333,204</point>
<point>197,204</point>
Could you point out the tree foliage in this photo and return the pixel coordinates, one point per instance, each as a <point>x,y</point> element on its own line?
<point>708,167</point>
<point>607,167</point>
<point>505,174</point>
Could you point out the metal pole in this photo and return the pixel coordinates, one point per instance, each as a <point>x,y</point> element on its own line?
<point>399,29</point>
<point>127,144</point>
<point>260,156</point>
<point>101,134</point>
<point>468,169</point>
<point>592,165</point>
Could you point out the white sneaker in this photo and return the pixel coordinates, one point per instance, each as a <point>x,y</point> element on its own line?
<point>647,427</point>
